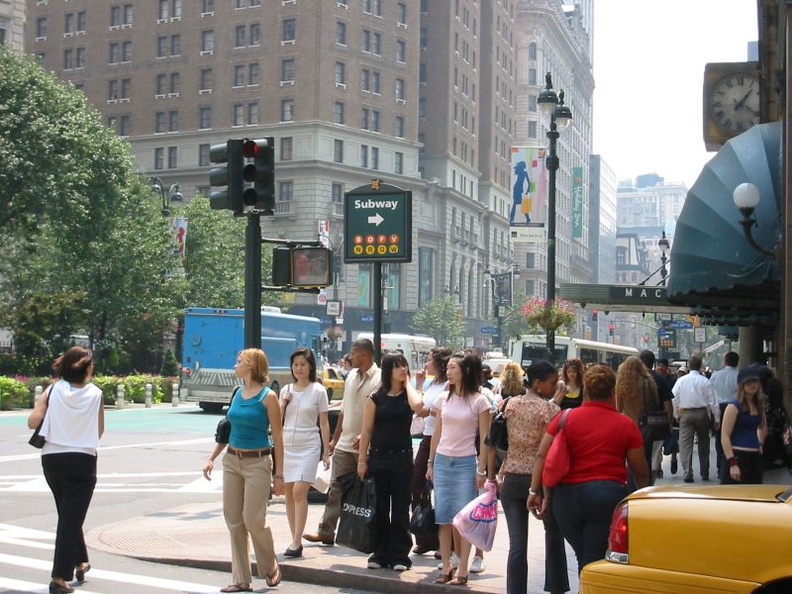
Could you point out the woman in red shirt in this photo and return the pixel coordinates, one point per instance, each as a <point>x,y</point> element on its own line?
<point>599,440</point>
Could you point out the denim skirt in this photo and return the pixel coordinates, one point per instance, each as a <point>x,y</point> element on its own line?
<point>454,485</point>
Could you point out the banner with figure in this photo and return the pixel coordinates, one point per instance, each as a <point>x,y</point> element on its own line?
<point>528,209</point>
<point>178,245</point>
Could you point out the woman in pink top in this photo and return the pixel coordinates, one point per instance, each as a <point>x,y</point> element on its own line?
<point>454,467</point>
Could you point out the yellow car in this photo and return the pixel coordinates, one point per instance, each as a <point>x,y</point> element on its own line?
<point>333,383</point>
<point>697,540</point>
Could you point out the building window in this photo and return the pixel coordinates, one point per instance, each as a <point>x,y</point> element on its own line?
<point>207,41</point>
<point>422,73</point>
<point>340,73</point>
<point>112,90</point>
<point>375,82</point>
<point>398,162</point>
<point>239,36</point>
<point>237,114</point>
<point>374,157</point>
<point>115,53</point>
<point>423,40</point>
<point>341,33</point>
<point>207,6</point>
<point>375,120</point>
<point>531,129</point>
<point>115,19</point>
<point>253,114</point>
<point>255,34</point>
<point>159,122</point>
<point>286,148</point>
<point>287,110</point>
<point>401,13</point>
<point>206,79</point>
<point>425,274</point>
<point>41,28</point>
<point>173,157</point>
<point>401,51</point>
<point>173,121</point>
<point>364,155</point>
<point>254,73</point>
<point>203,155</point>
<point>532,51</point>
<point>286,191</point>
<point>175,83</point>
<point>287,70</point>
<point>377,45</point>
<point>532,76</point>
<point>398,130</point>
<point>366,42</point>
<point>126,87</point>
<point>400,89</point>
<point>365,79</point>
<point>289,32</point>
<point>162,46</point>
<point>364,118</point>
<point>338,112</point>
<point>530,260</point>
<point>337,193</point>
<point>126,51</point>
<point>68,59</point>
<point>175,45</point>
<point>204,118</point>
<point>239,75</point>
<point>159,158</point>
<point>128,14</point>
<point>338,151</point>
<point>531,102</point>
<point>159,84</point>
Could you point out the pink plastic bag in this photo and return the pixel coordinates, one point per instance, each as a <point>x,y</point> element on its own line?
<point>478,520</point>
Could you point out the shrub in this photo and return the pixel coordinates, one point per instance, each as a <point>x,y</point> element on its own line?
<point>14,394</point>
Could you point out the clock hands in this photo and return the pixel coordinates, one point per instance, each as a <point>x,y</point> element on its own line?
<point>751,109</point>
<point>741,103</point>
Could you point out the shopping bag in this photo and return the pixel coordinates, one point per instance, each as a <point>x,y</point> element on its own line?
<point>422,522</point>
<point>356,528</point>
<point>322,482</point>
<point>478,520</point>
<point>526,204</point>
<point>556,464</point>
<point>498,436</point>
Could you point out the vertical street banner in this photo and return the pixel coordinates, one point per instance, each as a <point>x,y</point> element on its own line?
<point>178,245</point>
<point>578,192</point>
<point>323,231</point>
<point>528,208</point>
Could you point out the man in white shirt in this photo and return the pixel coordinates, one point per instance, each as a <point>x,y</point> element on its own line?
<point>362,380</point>
<point>694,400</point>
<point>724,382</point>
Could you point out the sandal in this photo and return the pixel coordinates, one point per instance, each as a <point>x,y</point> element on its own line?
<point>445,577</point>
<point>274,578</point>
<point>460,580</point>
<point>237,588</point>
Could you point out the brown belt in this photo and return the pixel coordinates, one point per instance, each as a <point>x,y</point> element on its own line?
<point>249,453</point>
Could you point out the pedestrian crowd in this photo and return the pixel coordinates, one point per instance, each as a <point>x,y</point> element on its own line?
<point>478,436</point>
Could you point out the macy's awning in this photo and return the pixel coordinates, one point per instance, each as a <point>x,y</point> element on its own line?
<point>714,269</point>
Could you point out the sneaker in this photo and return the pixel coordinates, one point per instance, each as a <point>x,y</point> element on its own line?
<point>400,567</point>
<point>454,562</point>
<point>374,563</point>
<point>478,565</point>
<point>659,473</point>
<point>688,479</point>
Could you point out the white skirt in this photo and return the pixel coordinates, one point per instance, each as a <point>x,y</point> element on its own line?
<point>300,462</point>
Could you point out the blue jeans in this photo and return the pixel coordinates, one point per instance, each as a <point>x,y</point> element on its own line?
<point>513,496</point>
<point>584,512</point>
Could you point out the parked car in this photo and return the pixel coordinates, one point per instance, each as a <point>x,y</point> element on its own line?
<point>333,383</point>
<point>697,539</point>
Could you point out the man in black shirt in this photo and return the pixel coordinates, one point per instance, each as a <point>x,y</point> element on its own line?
<point>664,392</point>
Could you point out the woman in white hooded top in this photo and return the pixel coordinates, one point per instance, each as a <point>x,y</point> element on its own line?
<point>71,414</point>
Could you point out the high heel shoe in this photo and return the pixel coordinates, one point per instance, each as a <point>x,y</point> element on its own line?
<point>79,574</point>
<point>445,577</point>
<point>56,588</point>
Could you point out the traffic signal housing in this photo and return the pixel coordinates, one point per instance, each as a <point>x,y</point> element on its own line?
<point>302,267</point>
<point>227,176</point>
<point>261,173</point>
<point>612,329</point>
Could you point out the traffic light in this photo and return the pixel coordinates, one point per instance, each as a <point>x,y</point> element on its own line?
<point>227,177</point>
<point>595,315</point>
<point>612,329</point>
<point>302,266</point>
<point>261,173</point>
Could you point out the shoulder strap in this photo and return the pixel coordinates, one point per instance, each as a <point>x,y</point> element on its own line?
<point>264,393</point>
<point>562,422</point>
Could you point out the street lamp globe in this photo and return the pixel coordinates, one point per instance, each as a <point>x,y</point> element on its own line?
<point>548,99</point>
<point>562,113</point>
<point>663,244</point>
<point>746,196</point>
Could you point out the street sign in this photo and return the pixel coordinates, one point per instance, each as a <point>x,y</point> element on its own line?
<point>333,308</point>
<point>700,334</point>
<point>378,224</point>
<point>666,338</point>
<point>680,324</point>
<point>489,330</point>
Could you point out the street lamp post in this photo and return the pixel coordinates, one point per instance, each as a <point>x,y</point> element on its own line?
<point>173,193</point>
<point>664,247</point>
<point>560,117</point>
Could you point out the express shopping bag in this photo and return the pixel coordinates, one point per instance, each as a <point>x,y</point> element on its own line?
<point>478,520</point>
<point>356,528</point>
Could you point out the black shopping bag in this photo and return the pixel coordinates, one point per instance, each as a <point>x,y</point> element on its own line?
<point>356,528</point>
<point>422,522</point>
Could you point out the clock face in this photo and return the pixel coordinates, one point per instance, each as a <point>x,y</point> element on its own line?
<point>734,102</point>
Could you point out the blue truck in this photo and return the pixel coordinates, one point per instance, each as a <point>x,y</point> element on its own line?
<point>213,337</point>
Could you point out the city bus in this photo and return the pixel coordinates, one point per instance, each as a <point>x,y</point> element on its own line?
<point>214,336</point>
<point>415,348</point>
<point>530,347</point>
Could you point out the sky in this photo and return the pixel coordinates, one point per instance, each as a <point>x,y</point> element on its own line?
<point>649,59</point>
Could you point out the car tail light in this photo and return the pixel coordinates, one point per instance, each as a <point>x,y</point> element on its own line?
<point>618,540</point>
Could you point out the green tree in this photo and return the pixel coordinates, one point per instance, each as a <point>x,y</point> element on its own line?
<point>441,320</point>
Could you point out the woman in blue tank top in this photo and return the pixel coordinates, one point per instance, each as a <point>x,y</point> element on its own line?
<point>743,430</point>
<point>247,471</point>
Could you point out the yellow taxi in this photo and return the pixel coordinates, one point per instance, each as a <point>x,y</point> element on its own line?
<point>696,540</point>
<point>333,383</point>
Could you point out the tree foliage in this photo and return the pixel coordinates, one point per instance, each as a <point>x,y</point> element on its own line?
<point>441,320</point>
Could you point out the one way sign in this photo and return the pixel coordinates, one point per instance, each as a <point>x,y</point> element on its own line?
<point>378,224</point>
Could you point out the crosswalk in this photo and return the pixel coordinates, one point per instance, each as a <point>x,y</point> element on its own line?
<point>18,538</point>
<point>119,482</point>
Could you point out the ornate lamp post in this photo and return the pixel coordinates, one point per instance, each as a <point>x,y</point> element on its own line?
<point>173,193</point>
<point>560,117</point>
<point>664,247</point>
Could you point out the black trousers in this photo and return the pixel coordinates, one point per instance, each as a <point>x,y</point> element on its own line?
<point>751,469</point>
<point>71,477</point>
<point>392,474</point>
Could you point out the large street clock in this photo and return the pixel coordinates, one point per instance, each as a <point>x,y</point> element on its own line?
<point>731,101</point>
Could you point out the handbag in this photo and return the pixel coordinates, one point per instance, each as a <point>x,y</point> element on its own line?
<point>356,526</point>
<point>655,426</point>
<point>478,520</point>
<point>422,522</point>
<point>556,464</point>
<point>223,430</point>
<point>36,440</point>
<point>498,436</point>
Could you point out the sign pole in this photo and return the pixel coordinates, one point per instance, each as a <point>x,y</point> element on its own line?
<point>378,312</point>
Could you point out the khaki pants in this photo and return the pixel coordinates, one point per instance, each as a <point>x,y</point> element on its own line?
<point>694,422</point>
<point>246,488</point>
<point>343,463</point>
